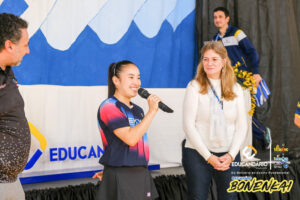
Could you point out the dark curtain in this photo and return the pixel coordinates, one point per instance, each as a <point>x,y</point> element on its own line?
<point>79,192</point>
<point>175,188</point>
<point>273,26</point>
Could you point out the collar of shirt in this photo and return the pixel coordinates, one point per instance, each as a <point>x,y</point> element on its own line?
<point>4,74</point>
<point>228,30</point>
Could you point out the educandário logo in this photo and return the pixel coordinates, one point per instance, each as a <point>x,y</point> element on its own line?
<point>43,144</point>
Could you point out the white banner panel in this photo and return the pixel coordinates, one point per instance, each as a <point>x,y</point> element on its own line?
<point>65,136</point>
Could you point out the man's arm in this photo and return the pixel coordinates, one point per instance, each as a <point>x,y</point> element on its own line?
<point>251,53</point>
<point>248,48</point>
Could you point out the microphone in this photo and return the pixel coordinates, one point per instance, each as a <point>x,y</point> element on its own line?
<point>145,94</point>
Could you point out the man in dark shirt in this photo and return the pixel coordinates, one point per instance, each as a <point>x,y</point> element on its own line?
<point>14,130</point>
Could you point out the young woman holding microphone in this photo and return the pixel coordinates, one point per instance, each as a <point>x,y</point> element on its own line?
<point>123,127</point>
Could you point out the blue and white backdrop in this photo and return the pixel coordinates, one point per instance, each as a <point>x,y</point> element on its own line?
<point>64,78</point>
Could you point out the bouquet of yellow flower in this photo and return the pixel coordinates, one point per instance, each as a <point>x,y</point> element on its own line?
<point>246,80</point>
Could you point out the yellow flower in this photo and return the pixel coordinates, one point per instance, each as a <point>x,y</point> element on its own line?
<point>248,82</point>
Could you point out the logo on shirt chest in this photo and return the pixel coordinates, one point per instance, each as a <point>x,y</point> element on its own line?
<point>137,121</point>
<point>134,121</point>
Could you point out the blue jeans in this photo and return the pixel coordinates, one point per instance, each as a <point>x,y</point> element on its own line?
<point>199,174</point>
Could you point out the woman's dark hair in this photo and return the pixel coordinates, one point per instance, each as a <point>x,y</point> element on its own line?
<point>114,70</point>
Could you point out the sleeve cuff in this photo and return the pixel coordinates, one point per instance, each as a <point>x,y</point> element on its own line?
<point>255,71</point>
<point>207,155</point>
<point>233,153</point>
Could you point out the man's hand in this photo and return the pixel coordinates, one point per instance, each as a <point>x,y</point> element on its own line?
<point>257,79</point>
<point>297,121</point>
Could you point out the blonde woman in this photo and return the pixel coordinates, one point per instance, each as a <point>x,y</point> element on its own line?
<point>214,121</point>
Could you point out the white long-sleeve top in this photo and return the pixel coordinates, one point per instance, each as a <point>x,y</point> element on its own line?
<point>196,120</point>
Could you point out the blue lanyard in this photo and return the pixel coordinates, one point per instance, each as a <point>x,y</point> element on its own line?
<point>215,93</point>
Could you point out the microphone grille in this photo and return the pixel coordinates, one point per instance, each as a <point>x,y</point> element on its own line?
<point>143,93</point>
